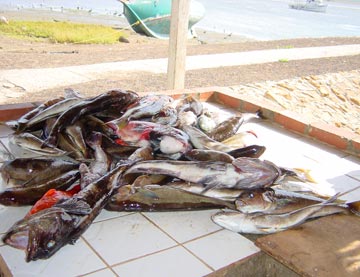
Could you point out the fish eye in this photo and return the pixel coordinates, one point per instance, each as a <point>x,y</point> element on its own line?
<point>50,244</point>
<point>251,195</point>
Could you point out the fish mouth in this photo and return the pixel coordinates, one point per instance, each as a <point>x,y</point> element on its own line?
<point>18,239</point>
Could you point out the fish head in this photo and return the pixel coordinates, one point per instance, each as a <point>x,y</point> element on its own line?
<point>41,234</point>
<point>229,220</point>
<point>258,200</point>
<point>264,173</point>
<point>133,133</point>
<point>170,142</point>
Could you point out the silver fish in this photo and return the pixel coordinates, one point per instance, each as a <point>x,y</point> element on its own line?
<point>267,223</point>
<point>259,223</point>
<point>242,173</point>
<point>28,145</point>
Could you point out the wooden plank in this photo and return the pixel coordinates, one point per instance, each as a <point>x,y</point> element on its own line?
<point>329,246</point>
<point>177,44</point>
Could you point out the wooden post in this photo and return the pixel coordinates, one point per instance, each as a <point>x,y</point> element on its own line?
<point>177,43</point>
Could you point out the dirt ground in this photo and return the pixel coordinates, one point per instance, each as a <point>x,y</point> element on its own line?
<point>16,54</point>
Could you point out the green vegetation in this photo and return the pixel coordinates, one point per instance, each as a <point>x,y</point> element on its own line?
<point>61,32</point>
<point>286,47</point>
<point>283,60</point>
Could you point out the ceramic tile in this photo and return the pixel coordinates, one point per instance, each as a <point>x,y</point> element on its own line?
<point>83,260</point>
<point>175,262</point>
<point>4,131</point>
<point>101,273</point>
<point>126,237</point>
<point>193,223</point>
<point>106,215</point>
<point>10,215</point>
<point>222,248</point>
<point>344,183</point>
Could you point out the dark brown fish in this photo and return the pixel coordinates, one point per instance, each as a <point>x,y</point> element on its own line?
<point>251,151</point>
<point>208,155</point>
<point>16,196</point>
<point>226,129</point>
<point>161,198</point>
<point>42,234</point>
<point>90,106</point>
<point>31,171</point>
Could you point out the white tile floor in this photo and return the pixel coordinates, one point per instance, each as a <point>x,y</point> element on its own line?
<point>179,243</point>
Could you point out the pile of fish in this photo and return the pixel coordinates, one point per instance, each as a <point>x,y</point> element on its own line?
<point>71,157</point>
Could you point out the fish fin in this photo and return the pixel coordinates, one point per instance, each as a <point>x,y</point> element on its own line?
<point>299,174</point>
<point>75,206</point>
<point>148,193</point>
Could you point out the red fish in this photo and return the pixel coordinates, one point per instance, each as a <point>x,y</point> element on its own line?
<point>50,198</point>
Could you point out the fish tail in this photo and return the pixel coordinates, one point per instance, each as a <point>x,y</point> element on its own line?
<point>354,207</point>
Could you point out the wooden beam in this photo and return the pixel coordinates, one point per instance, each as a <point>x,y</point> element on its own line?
<point>177,43</point>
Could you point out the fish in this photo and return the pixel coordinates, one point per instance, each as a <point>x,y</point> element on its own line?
<point>208,155</point>
<point>65,143</point>
<point>268,223</point>
<point>50,111</point>
<point>166,116</point>
<point>276,200</point>
<point>17,125</point>
<point>75,134</point>
<point>222,193</point>
<point>165,140</point>
<point>169,142</point>
<point>241,139</point>
<point>97,167</point>
<point>146,106</point>
<point>28,195</point>
<point>29,145</point>
<point>227,128</point>
<point>31,171</point>
<point>189,103</point>
<point>120,98</point>
<point>155,197</point>
<point>201,141</point>
<point>42,234</point>
<point>242,173</point>
<point>251,151</point>
<point>186,118</point>
<point>205,122</point>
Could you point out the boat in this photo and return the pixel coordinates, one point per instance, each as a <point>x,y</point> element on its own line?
<point>152,17</point>
<point>309,5</point>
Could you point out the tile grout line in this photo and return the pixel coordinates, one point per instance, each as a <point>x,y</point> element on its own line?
<point>99,256</point>
<point>143,256</point>
<point>181,244</point>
